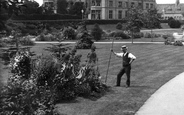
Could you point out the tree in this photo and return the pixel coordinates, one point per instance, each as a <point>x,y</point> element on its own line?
<point>76,8</point>
<point>134,21</point>
<point>32,7</point>
<point>10,7</point>
<point>96,32</point>
<point>152,20</point>
<point>62,6</point>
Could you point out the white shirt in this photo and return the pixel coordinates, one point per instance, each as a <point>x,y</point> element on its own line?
<point>130,55</point>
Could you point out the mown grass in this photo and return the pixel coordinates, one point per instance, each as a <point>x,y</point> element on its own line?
<point>155,65</point>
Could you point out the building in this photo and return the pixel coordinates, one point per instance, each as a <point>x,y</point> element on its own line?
<point>107,9</point>
<point>115,9</point>
<point>174,10</point>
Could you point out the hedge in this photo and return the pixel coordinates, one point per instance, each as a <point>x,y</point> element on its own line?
<point>43,17</point>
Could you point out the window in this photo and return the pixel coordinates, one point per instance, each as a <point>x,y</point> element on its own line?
<point>110,3</point>
<point>151,6</point>
<point>120,14</point>
<point>98,14</point>
<point>147,5</point>
<point>140,5</point>
<point>132,4</point>
<point>120,4</point>
<point>126,13</point>
<point>126,4</point>
<point>93,2</point>
<point>98,2</point>
<point>178,9</point>
<point>169,9</point>
<point>93,14</point>
<point>110,14</point>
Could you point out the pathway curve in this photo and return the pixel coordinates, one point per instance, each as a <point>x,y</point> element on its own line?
<point>168,100</point>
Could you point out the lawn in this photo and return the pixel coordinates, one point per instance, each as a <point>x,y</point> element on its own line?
<point>155,65</point>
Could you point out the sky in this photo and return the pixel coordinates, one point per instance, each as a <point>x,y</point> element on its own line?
<point>157,1</point>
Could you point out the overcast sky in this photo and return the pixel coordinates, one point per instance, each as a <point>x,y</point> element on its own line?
<point>158,1</point>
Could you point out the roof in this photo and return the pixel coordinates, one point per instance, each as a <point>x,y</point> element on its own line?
<point>170,8</point>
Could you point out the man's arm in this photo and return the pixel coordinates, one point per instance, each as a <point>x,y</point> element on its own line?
<point>117,54</point>
<point>132,58</point>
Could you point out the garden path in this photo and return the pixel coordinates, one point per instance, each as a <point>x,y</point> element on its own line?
<point>167,100</point>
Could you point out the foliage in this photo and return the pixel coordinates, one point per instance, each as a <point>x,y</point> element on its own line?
<point>47,37</point>
<point>85,41</point>
<point>26,41</point>
<point>147,35</point>
<point>90,81</point>
<point>32,7</point>
<point>11,7</point>
<point>69,33</point>
<point>62,6</point>
<point>21,96</point>
<point>119,26</point>
<point>168,42</point>
<point>96,32</point>
<point>174,23</point>
<point>119,34</point>
<point>152,19</point>
<point>137,35</point>
<point>178,43</point>
<point>76,8</point>
<point>21,65</point>
<point>135,20</point>
<point>2,44</point>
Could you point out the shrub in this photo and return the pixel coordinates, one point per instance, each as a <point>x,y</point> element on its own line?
<point>26,41</point>
<point>174,23</point>
<point>47,37</point>
<point>119,34</point>
<point>69,33</point>
<point>31,26</point>
<point>35,86</point>
<point>2,44</point>
<point>21,95</point>
<point>147,35</point>
<point>85,41</point>
<point>178,43</point>
<point>119,26</point>
<point>137,35</point>
<point>96,32</point>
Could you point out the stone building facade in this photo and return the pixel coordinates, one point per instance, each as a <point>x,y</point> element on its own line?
<point>174,10</point>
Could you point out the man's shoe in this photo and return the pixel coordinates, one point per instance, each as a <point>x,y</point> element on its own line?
<point>117,85</point>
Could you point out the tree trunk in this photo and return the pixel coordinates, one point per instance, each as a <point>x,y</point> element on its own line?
<point>151,35</point>
<point>132,37</point>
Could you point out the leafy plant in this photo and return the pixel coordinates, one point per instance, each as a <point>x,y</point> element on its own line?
<point>26,41</point>
<point>119,26</point>
<point>119,34</point>
<point>85,41</point>
<point>21,95</point>
<point>69,33</point>
<point>96,32</point>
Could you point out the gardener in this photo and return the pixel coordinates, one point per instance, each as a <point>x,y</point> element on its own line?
<point>127,59</point>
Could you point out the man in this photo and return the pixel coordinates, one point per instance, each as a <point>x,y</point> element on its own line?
<point>127,59</point>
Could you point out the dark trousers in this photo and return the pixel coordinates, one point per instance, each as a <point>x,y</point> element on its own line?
<point>120,74</point>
